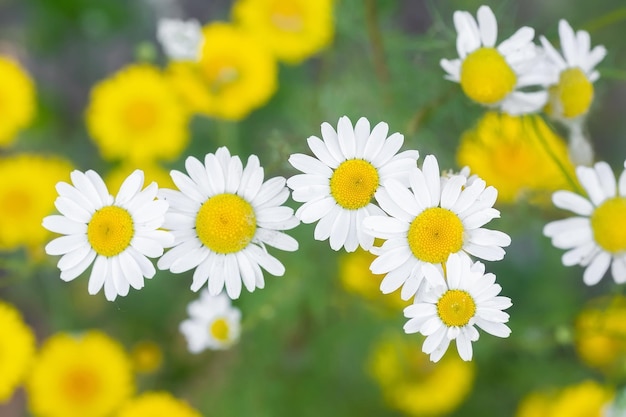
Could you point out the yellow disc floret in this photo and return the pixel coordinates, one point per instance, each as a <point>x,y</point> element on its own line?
<point>608,223</point>
<point>226,223</point>
<point>219,329</point>
<point>573,95</point>
<point>434,234</point>
<point>486,77</point>
<point>455,308</point>
<point>354,183</point>
<point>110,230</point>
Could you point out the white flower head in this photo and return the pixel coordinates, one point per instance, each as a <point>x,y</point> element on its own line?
<point>339,185</point>
<point>572,74</point>
<point>495,76</point>
<point>181,40</point>
<point>223,218</point>
<point>596,237</point>
<point>116,234</point>
<point>437,217</point>
<point>213,323</point>
<point>454,305</point>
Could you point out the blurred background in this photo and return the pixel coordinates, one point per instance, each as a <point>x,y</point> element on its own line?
<point>320,340</point>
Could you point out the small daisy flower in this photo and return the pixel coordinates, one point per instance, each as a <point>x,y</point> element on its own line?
<point>116,234</point>
<point>338,186</point>
<point>222,218</point>
<point>181,40</point>
<point>213,323</point>
<point>495,76</point>
<point>435,218</point>
<point>571,75</point>
<point>596,237</point>
<point>454,304</point>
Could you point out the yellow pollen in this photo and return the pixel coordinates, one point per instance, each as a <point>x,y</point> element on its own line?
<point>608,223</point>
<point>486,77</point>
<point>434,234</point>
<point>573,95</point>
<point>219,330</point>
<point>287,16</point>
<point>226,223</point>
<point>455,308</point>
<point>140,115</point>
<point>80,386</point>
<point>354,183</point>
<point>110,230</point>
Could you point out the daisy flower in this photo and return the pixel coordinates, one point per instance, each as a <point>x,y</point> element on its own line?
<point>435,218</point>
<point>338,186</point>
<point>212,324</point>
<point>495,76</point>
<point>222,218</point>
<point>571,75</point>
<point>596,237</point>
<point>454,304</point>
<point>181,40</point>
<point>116,234</point>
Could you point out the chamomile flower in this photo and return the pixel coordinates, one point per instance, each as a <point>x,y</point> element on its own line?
<point>181,40</point>
<point>596,237</point>
<point>213,323</point>
<point>339,185</point>
<point>495,76</point>
<point>434,219</point>
<point>571,75</point>
<point>116,234</point>
<point>455,302</point>
<point>223,218</point>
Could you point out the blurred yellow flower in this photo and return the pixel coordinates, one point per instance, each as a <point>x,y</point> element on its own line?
<point>17,100</point>
<point>147,357</point>
<point>411,383</point>
<point>27,194</point>
<point>235,74</point>
<point>135,115</point>
<point>88,375</point>
<point>157,404</point>
<point>17,347</point>
<point>509,152</point>
<point>293,29</point>
<point>600,334</point>
<point>153,172</point>
<point>356,277</point>
<point>585,399</point>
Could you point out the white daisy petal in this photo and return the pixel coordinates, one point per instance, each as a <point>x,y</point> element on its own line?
<point>488,26</point>
<point>345,134</point>
<point>573,202</point>
<point>319,149</point>
<point>597,268</point>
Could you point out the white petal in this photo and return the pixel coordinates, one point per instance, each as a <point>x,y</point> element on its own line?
<point>332,142</point>
<point>573,202</point>
<point>319,149</point>
<point>488,26</point>
<point>277,239</point>
<point>79,268</point>
<point>339,231</point>
<point>266,261</point>
<point>63,225</point>
<point>432,176</point>
<point>345,135</point>
<point>98,275</point>
<point>129,188</point>
<point>597,268</point>
<point>66,244</point>
<point>310,165</point>
<point>232,278</point>
<point>376,141</point>
<point>315,210</point>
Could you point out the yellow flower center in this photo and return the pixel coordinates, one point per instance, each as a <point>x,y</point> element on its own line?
<point>354,183</point>
<point>140,115</point>
<point>455,308</point>
<point>110,230</point>
<point>486,77</point>
<point>80,386</point>
<point>16,203</point>
<point>226,223</point>
<point>219,330</point>
<point>220,73</point>
<point>573,94</point>
<point>608,223</point>
<point>287,16</point>
<point>434,234</point>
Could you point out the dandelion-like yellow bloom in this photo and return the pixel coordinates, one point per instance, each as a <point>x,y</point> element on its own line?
<point>88,375</point>
<point>153,172</point>
<point>135,115</point>
<point>17,349</point>
<point>600,334</point>
<point>147,357</point>
<point>234,75</point>
<point>416,386</point>
<point>356,277</point>
<point>516,154</point>
<point>293,29</point>
<point>27,194</point>
<point>157,404</point>
<point>585,399</point>
<point>17,100</point>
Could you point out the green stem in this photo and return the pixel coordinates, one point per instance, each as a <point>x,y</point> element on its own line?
<point>376,42</point>
<point>611,18</point>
